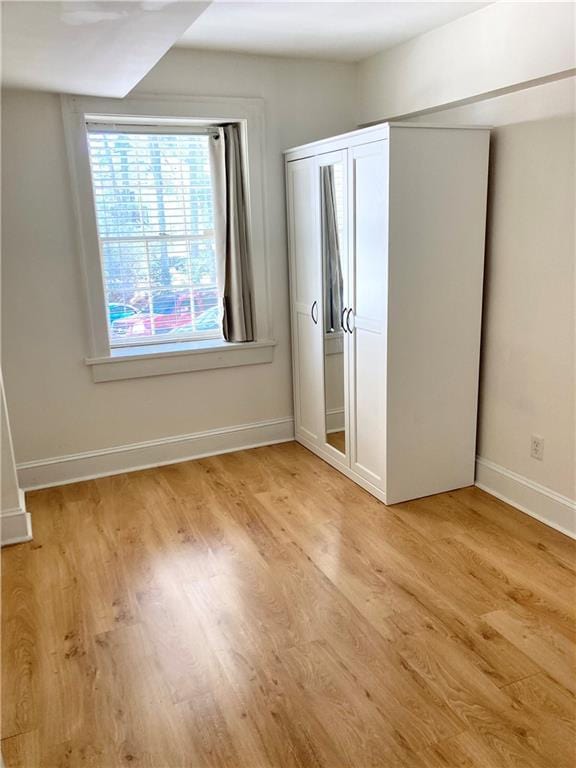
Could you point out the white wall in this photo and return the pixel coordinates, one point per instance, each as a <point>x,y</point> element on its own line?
<point>55,408</point>
<point>528,384</point>
<point>502,46</point>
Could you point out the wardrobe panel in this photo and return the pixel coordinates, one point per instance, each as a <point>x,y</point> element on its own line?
<point>370,194</point>
<point>304,196</point>
<point>305,272</point>
<point>368,405</point>
<point>368,214</point>
<point>438,183</point>
<point>307,417</point>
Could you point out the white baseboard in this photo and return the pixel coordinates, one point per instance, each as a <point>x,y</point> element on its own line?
<point>61,470</point>
<point>15,524</point>
<point>536,500</point>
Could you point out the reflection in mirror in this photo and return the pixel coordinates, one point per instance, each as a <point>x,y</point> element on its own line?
<point>332,221</point>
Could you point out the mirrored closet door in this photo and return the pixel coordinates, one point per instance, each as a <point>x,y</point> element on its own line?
<point>333,243</point>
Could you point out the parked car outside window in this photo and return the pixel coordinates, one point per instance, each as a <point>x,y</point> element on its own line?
<point>116,311</point>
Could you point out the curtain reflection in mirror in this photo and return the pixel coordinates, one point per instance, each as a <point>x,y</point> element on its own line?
<point>333,283</point>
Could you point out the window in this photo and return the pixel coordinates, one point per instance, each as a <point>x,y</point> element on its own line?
<point>154,214</point>
<point>143,201</point>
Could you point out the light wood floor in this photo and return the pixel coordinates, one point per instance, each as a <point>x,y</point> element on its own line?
<point>260,610</point>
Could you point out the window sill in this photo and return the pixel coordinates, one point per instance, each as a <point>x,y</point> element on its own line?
<point>163,359</point>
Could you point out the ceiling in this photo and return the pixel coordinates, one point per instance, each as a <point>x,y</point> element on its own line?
<point>105,48</point>
<point>336,31</point>
<point>93,48</point>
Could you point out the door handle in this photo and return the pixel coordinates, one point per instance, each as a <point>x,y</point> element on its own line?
<point>312,308</point>
<point>342,321</point>
<point>350,330</point>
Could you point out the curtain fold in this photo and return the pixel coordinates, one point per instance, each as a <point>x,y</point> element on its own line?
<point>333,282</point>
<point>234,270</point>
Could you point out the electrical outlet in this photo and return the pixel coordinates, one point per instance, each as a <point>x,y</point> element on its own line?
<point>537,447</point>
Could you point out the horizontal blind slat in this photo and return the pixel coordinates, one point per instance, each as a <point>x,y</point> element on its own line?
<point>154,212</point>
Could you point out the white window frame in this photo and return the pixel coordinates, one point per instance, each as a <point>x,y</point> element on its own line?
<point>151,359</point>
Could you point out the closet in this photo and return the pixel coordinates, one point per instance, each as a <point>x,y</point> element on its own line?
<point>386,230</point>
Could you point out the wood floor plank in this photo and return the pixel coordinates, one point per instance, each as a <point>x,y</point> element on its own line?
<point>350,713</point>
<point>541,692</point>
<point>470,750</point>
<point>518,559</point>
<point>134,720</point>
<point>555,710</point>
<point>261,702</point>
<point>549,649</point>
<point>19,644</point>
<point>260,610</point>
<point>21,751</point>
<point>514,587</point>
<point>559,549</point>
<point>486,709</point>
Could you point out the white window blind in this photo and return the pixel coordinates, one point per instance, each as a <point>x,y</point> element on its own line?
<point>154,211</point>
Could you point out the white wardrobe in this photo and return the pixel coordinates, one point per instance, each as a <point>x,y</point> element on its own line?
<point>386,237</point>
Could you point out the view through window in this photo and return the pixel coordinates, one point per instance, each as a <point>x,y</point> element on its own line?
<point>154,210</point>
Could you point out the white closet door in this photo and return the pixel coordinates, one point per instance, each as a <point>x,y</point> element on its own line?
<point>305,284</point>
<point>368,217</point>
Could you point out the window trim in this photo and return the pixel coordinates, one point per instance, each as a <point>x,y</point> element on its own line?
<point>183,357</point>
<point>174,111</point>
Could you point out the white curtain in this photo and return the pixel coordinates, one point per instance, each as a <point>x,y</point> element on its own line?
<point>232,249</point>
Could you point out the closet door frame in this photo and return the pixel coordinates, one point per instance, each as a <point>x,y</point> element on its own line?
<point>375,476</point>
<point>330,158</point>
